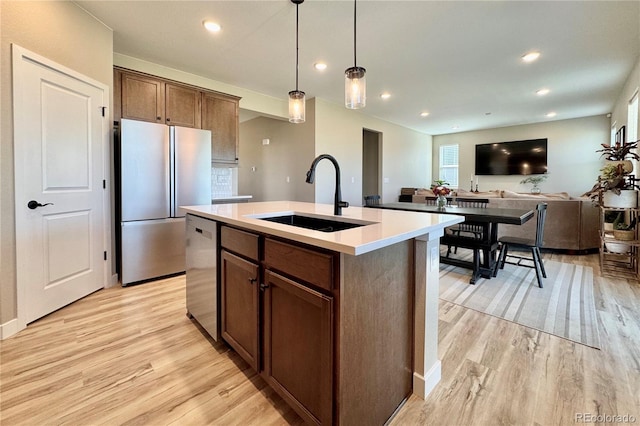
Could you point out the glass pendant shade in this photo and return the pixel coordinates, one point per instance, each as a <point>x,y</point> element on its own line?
<point>355,88</point>
<point>296,106</point>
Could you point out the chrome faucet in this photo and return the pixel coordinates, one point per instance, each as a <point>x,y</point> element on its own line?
<point>337,203</point>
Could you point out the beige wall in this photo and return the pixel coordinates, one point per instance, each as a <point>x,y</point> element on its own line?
<point>289,154</point>
<point>406,154</point>
<point>329,129</point>
<point>573,163</point>
<point>619,116</point>
<point>64,33</point>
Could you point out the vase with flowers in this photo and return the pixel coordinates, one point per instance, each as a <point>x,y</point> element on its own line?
<point>440,190</point>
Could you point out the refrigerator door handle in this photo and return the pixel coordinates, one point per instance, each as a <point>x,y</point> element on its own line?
<point>173,181</point>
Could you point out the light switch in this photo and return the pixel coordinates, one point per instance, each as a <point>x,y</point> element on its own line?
<point>265,141</point>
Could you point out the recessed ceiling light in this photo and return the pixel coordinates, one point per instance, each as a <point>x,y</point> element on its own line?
<point>424,114</point>
<point>551,114</point>
<point>531,56</point>
<point>385,95</point>
<point>211,26</point>
<point>542,92</point>
<point>320,66</point>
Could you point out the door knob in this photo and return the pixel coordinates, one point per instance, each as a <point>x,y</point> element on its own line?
<point>33,204</point>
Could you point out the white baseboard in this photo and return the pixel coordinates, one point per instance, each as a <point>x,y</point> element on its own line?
<point>113,282</point>
<point>423,385</point>
<point>8,329</point>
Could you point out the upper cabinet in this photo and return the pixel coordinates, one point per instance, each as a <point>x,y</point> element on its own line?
<point>143,97</point>
<point>182,106</point>
<point>220,115</point>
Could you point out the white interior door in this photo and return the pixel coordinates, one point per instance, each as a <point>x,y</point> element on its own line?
<point>59,140</point>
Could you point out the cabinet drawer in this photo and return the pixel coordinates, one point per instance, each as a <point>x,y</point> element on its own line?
<point>308,265</point>
<point>240,242</point>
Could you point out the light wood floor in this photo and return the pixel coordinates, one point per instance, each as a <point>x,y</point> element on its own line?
<point>131,356</point>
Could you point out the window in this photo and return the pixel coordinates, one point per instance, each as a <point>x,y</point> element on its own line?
<point>449,164</point>
<point>632,125</point>
<point>632,119</point>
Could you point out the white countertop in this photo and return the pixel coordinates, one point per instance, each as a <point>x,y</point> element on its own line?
<point>387,226</point>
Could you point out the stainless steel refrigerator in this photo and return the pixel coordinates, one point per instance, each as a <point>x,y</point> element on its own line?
<point>160,168</point>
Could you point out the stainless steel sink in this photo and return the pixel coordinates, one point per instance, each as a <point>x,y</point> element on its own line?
<point>315,223</point>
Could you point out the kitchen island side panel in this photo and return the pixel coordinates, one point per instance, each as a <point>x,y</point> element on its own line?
<point>376,333</point>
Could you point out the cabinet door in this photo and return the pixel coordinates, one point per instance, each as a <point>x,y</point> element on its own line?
<point>142,98</point>
<point>298,346</point>
<point>182,106</point>
<point>220,115</point>
<point>239,293</point>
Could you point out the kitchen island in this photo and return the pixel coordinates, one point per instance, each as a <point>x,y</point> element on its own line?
<point>342,324</point>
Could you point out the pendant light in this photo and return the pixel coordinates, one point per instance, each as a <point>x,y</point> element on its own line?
<point>355,83</point>
<point>296,97</point>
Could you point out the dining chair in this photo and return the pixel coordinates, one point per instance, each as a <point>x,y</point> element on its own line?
<point>524,243</point>
<point>371,200</point>
<point>467,227</point>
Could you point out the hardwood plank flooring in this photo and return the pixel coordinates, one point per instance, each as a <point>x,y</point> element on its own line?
<point>131,356</point>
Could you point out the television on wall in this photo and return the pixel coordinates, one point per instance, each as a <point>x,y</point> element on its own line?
<point>528,157</point>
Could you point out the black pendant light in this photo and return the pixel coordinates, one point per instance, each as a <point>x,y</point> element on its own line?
<point>296,97</point>
<point>355,84</point>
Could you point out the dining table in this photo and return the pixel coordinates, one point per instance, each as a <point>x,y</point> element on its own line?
<point>486,218</point>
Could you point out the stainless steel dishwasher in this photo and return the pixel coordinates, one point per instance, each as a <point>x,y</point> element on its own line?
<point>202,283</point>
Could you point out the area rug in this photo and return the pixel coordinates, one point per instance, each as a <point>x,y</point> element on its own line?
<point>564,307</point>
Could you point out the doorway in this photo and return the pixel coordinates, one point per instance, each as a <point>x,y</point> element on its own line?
<point>371,162</point>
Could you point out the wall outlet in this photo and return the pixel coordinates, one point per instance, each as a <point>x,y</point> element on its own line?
<point>254,168</point>
<point>288,179</point>
<point>353,179</point>
<point>385,180</point>
<point>265,141</point>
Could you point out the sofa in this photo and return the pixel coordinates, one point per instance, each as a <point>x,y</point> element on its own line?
<point>572,223</point>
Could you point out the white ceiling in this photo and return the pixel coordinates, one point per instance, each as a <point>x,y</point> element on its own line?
<point>458,60</point>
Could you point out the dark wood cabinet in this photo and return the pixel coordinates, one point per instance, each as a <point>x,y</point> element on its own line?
<point>240,306</point>
<point>332,334</point>
<point>298,349</point>
<point>145,97</point>
<point>220,115</point>
<point>182,106</point>
<point>142,98</point>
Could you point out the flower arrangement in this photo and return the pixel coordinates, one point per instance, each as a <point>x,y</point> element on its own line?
<point>439,188</point>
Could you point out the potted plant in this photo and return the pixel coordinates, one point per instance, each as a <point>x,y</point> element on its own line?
<point>622,232</point>
<point>535,180</point>
<point>620,153</point>
<point>614,188</point>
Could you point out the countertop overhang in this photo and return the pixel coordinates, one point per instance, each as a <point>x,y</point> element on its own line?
<point>388,227</point>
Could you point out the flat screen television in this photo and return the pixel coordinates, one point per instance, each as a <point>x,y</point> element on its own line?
<point>527,157</point>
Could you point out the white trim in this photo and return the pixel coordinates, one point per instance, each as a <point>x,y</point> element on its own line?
<point>8,329</point>
<point>19,56</point>
<point>424,385</point>
<point>113,281</point>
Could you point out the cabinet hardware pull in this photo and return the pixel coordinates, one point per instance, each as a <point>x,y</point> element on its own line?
<point>263,286</point>
<point>253,280</point>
